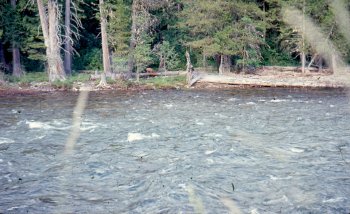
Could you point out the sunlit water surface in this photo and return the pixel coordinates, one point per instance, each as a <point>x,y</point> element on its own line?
<point>267,150</point>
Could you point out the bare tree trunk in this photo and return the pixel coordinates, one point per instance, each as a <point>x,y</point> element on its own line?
<point>189,68</point>
<point>312,61</point>
<point>131,60</point>
<point>56,69</point>
<point>221,65</point>
<point>44,25</point>
<point>68,40</point>
<point>50,28</point>
<point>334,64</point>
<point>16,56</point>
<point>105,50</point>
<point>16,62</point>
<point>303,59</point>
<point>162,64</point>
<point>320,64</point>
<point>225,64</point>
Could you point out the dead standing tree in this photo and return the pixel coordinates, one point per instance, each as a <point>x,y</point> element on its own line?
<point>105,50</point>
<point>189,68</point>
<point>72,23</point>
<point>49,19</point>
<point>68,41</point>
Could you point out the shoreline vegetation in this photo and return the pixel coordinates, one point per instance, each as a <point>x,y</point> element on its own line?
<point>88,80</point>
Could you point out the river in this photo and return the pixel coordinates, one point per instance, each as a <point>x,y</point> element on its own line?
<point>253,151</point>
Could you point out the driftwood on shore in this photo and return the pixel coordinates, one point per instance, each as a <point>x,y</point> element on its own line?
<point>314,81</point>
<point>293,69</point>
<point>142,75</point>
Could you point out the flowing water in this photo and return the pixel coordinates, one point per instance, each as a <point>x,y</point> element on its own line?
<point>262,150</point>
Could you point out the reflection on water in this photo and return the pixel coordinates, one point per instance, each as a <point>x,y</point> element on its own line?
<point>253,151</point>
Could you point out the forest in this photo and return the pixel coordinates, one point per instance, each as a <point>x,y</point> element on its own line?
<point>174,106</point>
<point>125,37</point>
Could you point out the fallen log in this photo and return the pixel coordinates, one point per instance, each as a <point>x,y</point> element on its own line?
<point>291,69</point>
<point>142,75</point>
<point>318,81</point>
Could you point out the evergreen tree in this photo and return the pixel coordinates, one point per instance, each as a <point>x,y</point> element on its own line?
<point>21,30</point>
<point>14,33</point>
<point>119,24</point>
<point>168,58</point>
<point>3,64</point>
<point>225,28</point>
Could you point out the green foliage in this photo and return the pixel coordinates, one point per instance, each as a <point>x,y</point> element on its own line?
<point>120,64</point>
<point>221,27</point>
<point>29,78</point>
<point>273,57</point>
<point>143,53</point>
<point>21,29</point>
<point>119,26</point>
<point>165,82</point>
<point>32,65</point>
<point>13,26</point>
<point>167,56</point>
<point>90,59</point>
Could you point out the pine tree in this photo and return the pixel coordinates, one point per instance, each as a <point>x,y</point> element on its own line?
<point>14,34</point>
<point>119,24</point>
<point>225,28</point>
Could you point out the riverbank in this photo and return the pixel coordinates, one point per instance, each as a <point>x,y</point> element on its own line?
<point>275,79</point>
<point>82,81</point>
<point>78,82</point>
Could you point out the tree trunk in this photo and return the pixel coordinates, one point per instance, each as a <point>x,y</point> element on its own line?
<point>44,24</point>
<point>221,65</point>
<point>162,64</point>
<point>3,64</point>
<point>189,68</point>
<point>225,64</point>
<point>312,61</point>
<point>16,56</point>
<point>49,25</point>
<point>16,62</point>
<point>320,64</point>
<point>68,40</point>
<point>303,62</point>
<point>56,69</point>
<point>105,50</point>
<point>303,57</point>
<point>334,64</point>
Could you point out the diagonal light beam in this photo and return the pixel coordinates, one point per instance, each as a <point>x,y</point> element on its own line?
<point>314,36</point>
<point>77,117</point>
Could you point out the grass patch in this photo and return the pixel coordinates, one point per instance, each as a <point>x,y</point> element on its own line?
<point>29,78</point>
<point>165,82</point>
<point>160,82</point>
